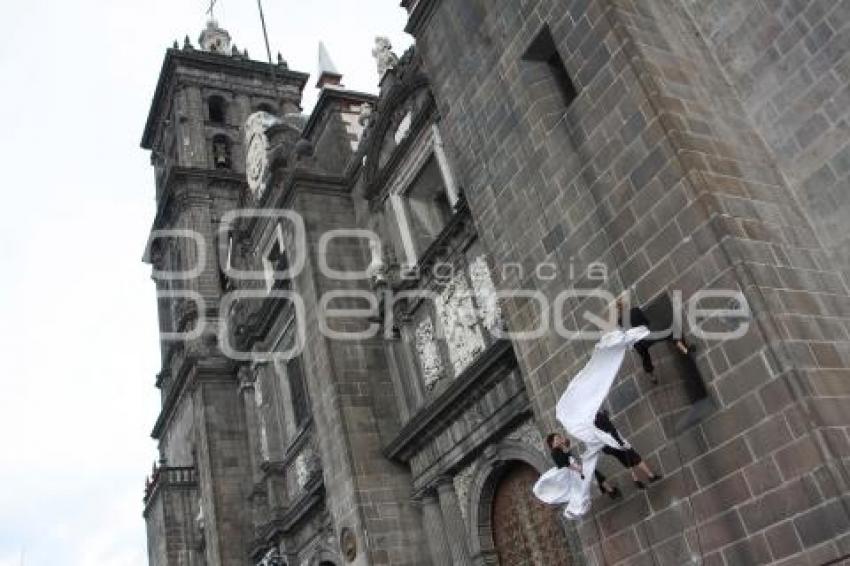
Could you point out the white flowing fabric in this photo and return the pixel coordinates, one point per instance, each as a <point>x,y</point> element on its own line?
<point>576,410</point>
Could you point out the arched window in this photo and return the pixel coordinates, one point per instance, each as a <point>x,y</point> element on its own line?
<point>221,152</point>
<point>217,110</point>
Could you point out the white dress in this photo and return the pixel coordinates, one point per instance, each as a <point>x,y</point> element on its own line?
<point>576,411</point>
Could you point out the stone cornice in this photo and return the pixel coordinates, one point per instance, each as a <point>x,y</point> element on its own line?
<point>494,363</point>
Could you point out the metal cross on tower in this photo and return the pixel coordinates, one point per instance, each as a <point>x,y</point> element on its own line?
<point>211,8</point>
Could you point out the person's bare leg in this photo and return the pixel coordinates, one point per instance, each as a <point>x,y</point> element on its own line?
<point>645,469</point>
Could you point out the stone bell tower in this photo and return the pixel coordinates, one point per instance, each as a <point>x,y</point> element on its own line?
<point>195,498</point>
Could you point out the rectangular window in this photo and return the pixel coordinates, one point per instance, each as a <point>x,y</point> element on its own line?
<point>543,55</point>
<point>298,392</point>
<point>426,207</point>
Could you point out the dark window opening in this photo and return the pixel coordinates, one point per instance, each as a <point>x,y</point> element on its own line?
<point>298,392</point>
<point>427,206</point>
<point>265,108</point>
<point>221,152</point>
<point>543,51</point>
<point>217,110</point>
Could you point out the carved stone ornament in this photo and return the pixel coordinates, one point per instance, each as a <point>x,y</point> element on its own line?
<point>489,309</point>
<point>348,544</point>
<point>384,56</point>
<point>462,484</point>
<point>256,156</point>
<point>459,322</point>
<point>428,353</point>
<point>306,466</point>
<point>271,558</point>
<point>366,114</point>
<point>528,433</point>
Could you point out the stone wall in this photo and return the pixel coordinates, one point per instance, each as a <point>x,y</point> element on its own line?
<point>657,171</point>
<point>788,62</point>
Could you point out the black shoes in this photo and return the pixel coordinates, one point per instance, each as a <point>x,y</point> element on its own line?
<point>656,478</point>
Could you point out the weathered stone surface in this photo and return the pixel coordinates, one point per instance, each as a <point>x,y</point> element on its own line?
<point>682,145</point>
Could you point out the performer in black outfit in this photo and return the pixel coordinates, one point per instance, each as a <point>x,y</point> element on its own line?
<point>559,448</point>
<point>638,318</point>
<point>627,456</point>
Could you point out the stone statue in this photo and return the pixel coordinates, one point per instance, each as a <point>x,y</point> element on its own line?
<point>383,54</point>
<point>366,112</point>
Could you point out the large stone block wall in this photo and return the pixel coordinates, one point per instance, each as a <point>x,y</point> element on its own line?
<point>352,400</point>
<point>789,61</point>
<point>657,171</point>
<point>224,467</point>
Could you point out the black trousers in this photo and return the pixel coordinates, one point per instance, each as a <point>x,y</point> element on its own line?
<point>642,348</point>
<point>600,478</point>
<point>628,457</point>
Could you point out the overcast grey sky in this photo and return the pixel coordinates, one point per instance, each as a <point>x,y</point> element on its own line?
<point>78,336</point>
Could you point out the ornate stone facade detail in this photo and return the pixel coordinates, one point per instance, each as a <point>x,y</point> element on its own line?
<point>215,39</point>
<point>264,439</point>
<point>428,352</point>
<point>272,558</point>
<point>489,310</point>
<point>306,464</point>
<point>462,483</point>
<point>459,322</point>
<point>527,433</point>
<point>256,156</point>
<point>384,55</point>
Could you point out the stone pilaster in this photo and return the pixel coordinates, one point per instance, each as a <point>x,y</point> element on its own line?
<point>435,529</point>
<point>453,521</point>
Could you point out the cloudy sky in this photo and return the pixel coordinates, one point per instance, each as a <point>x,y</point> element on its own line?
<point>78,333</point>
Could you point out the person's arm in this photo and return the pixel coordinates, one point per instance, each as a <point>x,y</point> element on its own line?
<point>575,464</point>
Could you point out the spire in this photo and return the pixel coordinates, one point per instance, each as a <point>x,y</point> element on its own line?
<point>328,74</point>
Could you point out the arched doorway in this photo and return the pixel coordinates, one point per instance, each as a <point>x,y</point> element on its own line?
<point>526,532</point>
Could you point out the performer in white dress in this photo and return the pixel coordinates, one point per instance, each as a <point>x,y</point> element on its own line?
<point>576,410</point>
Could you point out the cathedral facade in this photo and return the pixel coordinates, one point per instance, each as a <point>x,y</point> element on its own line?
<point>368,313</point>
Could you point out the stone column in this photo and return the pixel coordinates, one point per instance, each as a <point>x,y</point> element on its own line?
<point>455,527</point>
<point>435,529</point>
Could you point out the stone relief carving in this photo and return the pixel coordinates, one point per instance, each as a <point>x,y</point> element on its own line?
<point>527,433</point>
<point>256,156</point>
<point>428,353</point>
<point>489,310</point>
<point>462,484</point>
<point>306,465</point>
<point>459,319</point>
<point>384,55</point>
<point>378,269</point>
<point>264,439</point>
<point>272,558</point>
